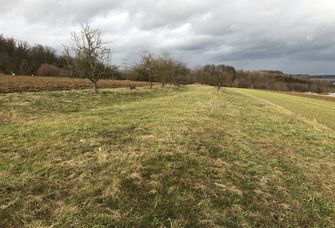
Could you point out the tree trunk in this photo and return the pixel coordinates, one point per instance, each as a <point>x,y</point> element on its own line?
<point>94,86</point>
<point>150,85</point>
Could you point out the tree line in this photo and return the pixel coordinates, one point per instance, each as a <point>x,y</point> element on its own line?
<point>21,58</point>
<point>88,56</point>
<point>227,76</point>
<point>18,57</point>
<point>159,68</point>
<point>276,80</point>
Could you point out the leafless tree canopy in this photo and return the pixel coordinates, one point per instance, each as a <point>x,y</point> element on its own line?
<point>161,68</point>
<point>91,55</point>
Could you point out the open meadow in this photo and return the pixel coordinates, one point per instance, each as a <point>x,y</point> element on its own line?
<point>178,156</point>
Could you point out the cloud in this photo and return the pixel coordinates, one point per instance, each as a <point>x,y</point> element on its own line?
<point>291,35</point>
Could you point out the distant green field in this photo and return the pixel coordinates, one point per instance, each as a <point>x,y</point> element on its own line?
<point>317,110</point>
<point>174,157</point>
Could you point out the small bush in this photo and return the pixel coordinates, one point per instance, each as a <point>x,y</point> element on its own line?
<point>48,70</point>
<point>130,74</point>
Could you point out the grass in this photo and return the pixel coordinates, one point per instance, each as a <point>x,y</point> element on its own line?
<point>314,109</point>
<point>172,157</point>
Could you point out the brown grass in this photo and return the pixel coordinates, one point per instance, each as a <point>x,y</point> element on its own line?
<point>33,83</point>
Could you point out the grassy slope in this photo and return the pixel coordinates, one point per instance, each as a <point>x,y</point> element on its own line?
<point>315,96</point>
<point>191,156</point>
<point>317,110</point>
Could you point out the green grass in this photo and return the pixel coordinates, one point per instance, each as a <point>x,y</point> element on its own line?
<point>316,110</point>
<point>171,157</point>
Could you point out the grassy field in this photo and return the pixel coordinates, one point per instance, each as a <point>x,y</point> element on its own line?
<point>315,96</point>
<point>314,109</point>
<point>37,83</point>
<point>175,157</point>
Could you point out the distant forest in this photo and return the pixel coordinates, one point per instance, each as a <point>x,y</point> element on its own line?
<point>20,58</point>
<point>324,77</point>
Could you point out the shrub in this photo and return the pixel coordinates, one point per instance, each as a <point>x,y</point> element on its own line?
<point>48,70</point>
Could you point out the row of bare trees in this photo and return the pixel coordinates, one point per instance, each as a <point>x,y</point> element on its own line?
<point>215,75</point>
<point>89,56</point>
<point>161,68</point>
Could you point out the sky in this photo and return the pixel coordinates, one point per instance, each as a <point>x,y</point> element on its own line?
<point>294,36</point>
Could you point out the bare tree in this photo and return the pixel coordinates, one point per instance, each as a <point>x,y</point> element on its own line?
<point>225,75</point>
<point>180,73</point>
<point>221,75</point>
<point>146,68</point>
<point>164,69</point>
<point>91,56</point>
<point>148,61</point>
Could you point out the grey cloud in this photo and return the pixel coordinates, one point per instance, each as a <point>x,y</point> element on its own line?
<point>293,35</point>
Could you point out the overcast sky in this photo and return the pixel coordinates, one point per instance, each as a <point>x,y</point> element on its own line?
<point>295,36</point>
